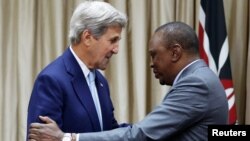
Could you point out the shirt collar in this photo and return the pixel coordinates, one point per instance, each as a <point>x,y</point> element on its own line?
<point>179,74</point>
<point>84,68</point>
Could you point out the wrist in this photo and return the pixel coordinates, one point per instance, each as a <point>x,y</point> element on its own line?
<point>60,135</point>
<point>69,137</point>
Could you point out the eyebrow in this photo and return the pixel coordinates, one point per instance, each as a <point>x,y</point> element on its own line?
<point>116,37</point>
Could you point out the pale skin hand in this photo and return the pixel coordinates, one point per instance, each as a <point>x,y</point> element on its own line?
<point>48,131</point>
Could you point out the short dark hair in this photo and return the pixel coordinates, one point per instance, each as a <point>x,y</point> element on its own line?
<point>181,33</point>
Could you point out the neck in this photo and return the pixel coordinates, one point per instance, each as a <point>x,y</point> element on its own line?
<point>182,64</point>
<point>82,53</point>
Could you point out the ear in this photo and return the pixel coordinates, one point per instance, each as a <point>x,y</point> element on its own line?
<point>176,51</point>
<point>86,37</point>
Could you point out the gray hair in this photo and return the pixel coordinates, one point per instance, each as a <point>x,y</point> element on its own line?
<point>96,16</point>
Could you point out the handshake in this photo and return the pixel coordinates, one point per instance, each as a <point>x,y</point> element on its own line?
<point>48,131</point>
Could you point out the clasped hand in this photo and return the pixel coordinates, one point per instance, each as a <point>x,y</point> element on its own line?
<point>48,131</point>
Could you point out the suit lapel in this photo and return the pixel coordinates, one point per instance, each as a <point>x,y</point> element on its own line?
<point>81,88</point>
<point>84,94</point>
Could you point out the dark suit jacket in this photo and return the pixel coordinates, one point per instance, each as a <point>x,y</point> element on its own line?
<point>196,100</point>
<point>62,93</point>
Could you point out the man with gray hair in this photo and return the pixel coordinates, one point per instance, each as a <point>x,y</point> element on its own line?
<point>71,90</point>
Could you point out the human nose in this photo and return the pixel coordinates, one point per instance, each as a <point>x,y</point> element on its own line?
<point>115,49</point>
<point>151,63</point>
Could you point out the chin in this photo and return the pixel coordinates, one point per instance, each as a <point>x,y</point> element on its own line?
<point>102,68</point>
<point>162,82</point>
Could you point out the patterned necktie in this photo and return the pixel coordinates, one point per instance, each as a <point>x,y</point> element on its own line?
<point>92,87</point>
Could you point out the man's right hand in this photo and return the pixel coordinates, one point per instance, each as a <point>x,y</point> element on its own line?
<point>48,131</point>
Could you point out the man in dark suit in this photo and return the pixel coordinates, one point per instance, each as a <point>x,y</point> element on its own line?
<point>63,91</point>
<point>195,100</point>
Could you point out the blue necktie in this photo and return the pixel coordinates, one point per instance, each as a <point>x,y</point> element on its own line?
<point>92,87</point>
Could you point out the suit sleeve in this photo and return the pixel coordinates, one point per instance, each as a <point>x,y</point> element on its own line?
<point>46,100</point>
<point>184,105</point>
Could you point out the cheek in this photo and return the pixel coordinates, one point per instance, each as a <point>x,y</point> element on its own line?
<point>105,49</point>
<point>102,51</point>
<point>164,69</point>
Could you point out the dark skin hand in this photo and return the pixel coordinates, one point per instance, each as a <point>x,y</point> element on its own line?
<point>47,131</point>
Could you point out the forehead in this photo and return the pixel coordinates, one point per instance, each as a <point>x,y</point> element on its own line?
<point>155,42</point>
<point>113,31</point>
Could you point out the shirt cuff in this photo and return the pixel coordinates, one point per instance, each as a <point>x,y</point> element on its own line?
<point>77,137</point>
<point>70,137</point>
<point>66,137</point>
